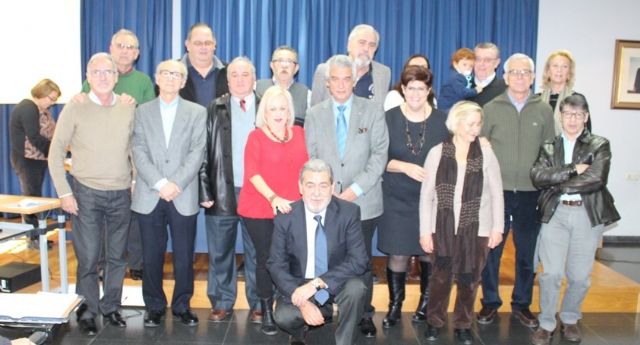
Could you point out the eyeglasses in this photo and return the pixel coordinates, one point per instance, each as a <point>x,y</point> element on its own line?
<point>285,61</point>
<point>573,115</point>
<point>519,73</point>
<point>486,60</point>
<point>415,89</point>
<point>102,73</point>
<point>205,43</point>
<point>52,99</point>
<point>169,74</point>
<point>126,46</point>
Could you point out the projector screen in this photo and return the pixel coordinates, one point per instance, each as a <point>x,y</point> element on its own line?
<point>40,39</point>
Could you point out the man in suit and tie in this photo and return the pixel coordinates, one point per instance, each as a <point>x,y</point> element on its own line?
<point>371,79</point>
<point>168,149</point>
<point>359,156</point>
<point>317,255</point>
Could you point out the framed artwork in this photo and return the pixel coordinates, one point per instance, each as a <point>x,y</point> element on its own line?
<point>626,75</point>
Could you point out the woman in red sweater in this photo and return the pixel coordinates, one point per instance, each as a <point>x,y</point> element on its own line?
<point>273,157</point>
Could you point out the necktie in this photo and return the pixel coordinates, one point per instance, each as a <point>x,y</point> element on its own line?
<point>243,105</point>
<point>321,265</point>
<point>341,130</point>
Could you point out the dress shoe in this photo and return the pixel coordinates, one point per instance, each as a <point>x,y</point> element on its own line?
<point>152,318</point>
<point>526,317</point>
<point>81,310</point>
<point>486,315</point>
<point>88,326</point>
<point>464,336</point>
<point>295,341</point>
<point>115,319</point>
<point>540,337</point>
<point>187,317</point>
<point>219,315</point>
<point>255,316</point>
<point>367,328</point>
<point>432,333</point>
<point>571,332</point>
<point>135,274</point>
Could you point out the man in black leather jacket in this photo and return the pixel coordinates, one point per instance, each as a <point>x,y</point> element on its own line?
<point>230,119</point>
<point>574,206</point>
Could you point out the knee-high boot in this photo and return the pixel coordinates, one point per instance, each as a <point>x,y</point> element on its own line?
<point>396,283</point>
<point>268,326</point>
<point>421,312</point>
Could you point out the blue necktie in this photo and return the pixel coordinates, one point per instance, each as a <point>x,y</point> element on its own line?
<point>321,265</point>
<point>341,130</point>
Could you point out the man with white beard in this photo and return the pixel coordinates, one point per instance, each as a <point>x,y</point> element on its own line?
<point>372,78</point>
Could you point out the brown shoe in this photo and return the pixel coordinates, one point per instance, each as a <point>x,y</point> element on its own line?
<point>255,316</point>
<point>219,315</point>
<point>571,332</point>
<point>486,315</point>
<point>540,337</point>
<point>526,317</point>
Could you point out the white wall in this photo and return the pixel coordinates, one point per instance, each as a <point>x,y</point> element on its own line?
<point>589,30</point>
<point>39,39</point>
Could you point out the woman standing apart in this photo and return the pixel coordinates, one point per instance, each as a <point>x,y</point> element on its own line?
<point>574,206</point>
<point>414,128</point>
<point>461,218</point>
<point>31,129</point>
<point>273,157</point>
<point>558,79</point>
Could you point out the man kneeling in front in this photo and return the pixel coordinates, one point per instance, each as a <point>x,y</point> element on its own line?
<point>317,257</point>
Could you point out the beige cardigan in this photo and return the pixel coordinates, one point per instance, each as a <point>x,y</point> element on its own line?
<point>491,203</point>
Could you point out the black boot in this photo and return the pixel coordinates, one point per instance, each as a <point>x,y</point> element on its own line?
<point>268,326</point>
<point>396,283</point>
<point>421,312</point>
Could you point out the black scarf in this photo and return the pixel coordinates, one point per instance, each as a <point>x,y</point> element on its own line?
<point>457,251</point>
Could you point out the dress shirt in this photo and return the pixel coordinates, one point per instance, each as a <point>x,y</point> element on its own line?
<point>483,83</point>
<point>518,105</point>
<point>312,224</point>
<point>94,98</point>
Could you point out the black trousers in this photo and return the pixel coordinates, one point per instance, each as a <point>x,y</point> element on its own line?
<point>154,245</point>
<point>260,231</point>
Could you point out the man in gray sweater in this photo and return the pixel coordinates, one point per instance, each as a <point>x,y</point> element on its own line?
<point>516,123</point>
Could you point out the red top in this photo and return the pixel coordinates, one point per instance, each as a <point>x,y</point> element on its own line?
<point>279,165</point>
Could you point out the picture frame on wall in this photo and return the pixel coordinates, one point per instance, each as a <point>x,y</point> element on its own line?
<point>626,75</point>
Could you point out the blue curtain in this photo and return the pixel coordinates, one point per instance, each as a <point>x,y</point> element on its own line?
<point>9,183</point>
<point>318,29</point>
<point>150,20</point>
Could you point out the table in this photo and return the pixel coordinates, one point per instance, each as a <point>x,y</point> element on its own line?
<point>26,205</point>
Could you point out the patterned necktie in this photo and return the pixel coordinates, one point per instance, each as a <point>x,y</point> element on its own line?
<point>341,130</point>
<point>321,264</point>
<point>243,105</point>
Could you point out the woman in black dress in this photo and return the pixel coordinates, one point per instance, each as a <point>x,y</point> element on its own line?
<point>414,128</point>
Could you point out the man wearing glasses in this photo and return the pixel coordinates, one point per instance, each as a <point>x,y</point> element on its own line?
<point>372,78</point>
<point>98,132</point>
<point>516,123</point>
<point>168,148</point>
<point>484,73</point>
<point>207,76</point>
<point>284,65</point>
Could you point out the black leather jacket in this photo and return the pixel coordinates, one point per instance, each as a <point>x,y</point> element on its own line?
<point>216,173</point>
<point>551,175</point>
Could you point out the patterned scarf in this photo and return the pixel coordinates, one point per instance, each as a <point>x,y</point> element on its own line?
<point>457,251</point>
<point>47,126</point>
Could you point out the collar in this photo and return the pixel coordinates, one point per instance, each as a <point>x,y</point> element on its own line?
<point>94,98</point>
<point>485,82</point>
<point>335,104</point>
<point>275,82</point>
<point>249,99</point>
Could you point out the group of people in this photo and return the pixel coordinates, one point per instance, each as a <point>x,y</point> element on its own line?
<point>309,175</point>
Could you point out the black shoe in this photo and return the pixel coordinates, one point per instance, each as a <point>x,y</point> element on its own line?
<point>152,318</point>
<point>486,315</point>
<point>396,283</point>
<point>115,319</point>
<point>367,328</point>
<point>88,326</point>
<point>135,274</point>
<point>295,341</point>
<point>464,336</point>
<point>526,317</point>
<point>187,317</point>
<point>81,310</point>
<point>421,311</point>
<point>268,326</point>
<point>432,333</point>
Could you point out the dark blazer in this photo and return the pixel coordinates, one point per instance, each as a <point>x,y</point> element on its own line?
<point>287,261</point>
<point>216,173</point>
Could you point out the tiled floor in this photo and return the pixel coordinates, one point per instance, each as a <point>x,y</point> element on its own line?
<point>598,329</point>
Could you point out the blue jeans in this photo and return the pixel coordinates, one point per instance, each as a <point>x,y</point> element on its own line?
<point>102,221</point>
<point>520,214</point>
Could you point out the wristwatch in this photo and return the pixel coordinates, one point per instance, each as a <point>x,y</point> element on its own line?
<point>316,283</point>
